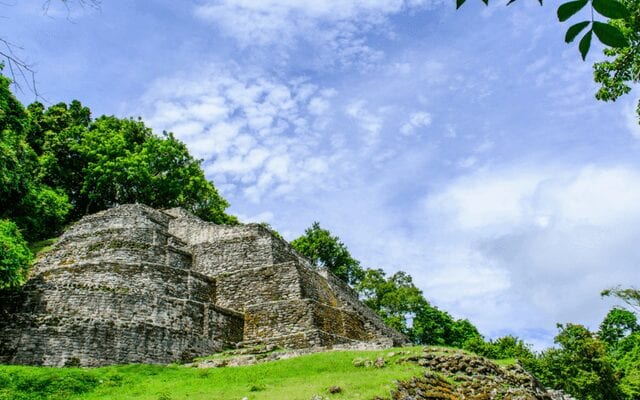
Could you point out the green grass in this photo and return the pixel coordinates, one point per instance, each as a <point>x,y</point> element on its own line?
<point>297,378</point>
<point>506,361</point>
<point>42,246</point>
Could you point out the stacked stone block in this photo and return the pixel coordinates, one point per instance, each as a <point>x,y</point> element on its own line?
<point>284,300</point>
<point>134,284</point>
<point>116,288</point>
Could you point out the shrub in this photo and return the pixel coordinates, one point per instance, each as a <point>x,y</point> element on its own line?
<point>15,256</point>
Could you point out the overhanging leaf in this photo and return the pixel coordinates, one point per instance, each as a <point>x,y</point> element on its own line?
<point>574,30</point>
<point>486,2</point>
<point>610,8</point>
<point>609,35</point>
<point>585,43</point>
<point>566,10</point>
<point>459,3</point>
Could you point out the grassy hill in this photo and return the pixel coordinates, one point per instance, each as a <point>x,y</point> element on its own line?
<point>296,378</point>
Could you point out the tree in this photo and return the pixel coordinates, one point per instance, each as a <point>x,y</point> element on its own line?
<point>403,307</point>
<point>38,209</point>
<point>108,161</point>
<point>630,295</point>
<point>327,251</point>
<point>396,299</point>
<point>15,256</point>
<point>618,324</point>
<point>580,367</point>
<point>125,163</point>
<point>502,348</point>
<point>57,164</point>
<point>621,334</point>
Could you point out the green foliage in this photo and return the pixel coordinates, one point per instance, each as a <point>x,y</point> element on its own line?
<point>57,164</point>
<point>609,34</point>
<point>622,69</point>
<point>434,326</point>
<point>630,295</point>
<point>15,256</point>
<point>627,362</point>
<point>618,324</point>
<point>396,299</point>
<point>38,209</point>
<point>327,251</point>
<point>403,307</point>
<point>123,162</point>
<point>42,212</point>
<point>581,366</point>
<point>506,347</point>
<point>45,383</point>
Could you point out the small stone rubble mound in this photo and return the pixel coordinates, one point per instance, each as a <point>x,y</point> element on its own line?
<point>456,375</point>
<point>137,285</point>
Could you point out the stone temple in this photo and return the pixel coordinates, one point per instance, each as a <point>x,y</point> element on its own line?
<point>137,285</point>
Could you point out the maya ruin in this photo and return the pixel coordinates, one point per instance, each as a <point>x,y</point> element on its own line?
<point>137,285</point>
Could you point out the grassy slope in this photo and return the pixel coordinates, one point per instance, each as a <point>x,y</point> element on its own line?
<point>298,378</point>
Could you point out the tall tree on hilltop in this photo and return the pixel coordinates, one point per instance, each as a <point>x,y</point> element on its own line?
<point>327,251</point>
<point>403,307</point>
<point>57,164</point>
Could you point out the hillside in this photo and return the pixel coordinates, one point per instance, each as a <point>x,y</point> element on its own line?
<point>433,373</point>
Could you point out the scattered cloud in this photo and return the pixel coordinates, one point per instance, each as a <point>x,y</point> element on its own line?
<point>256,134</point>
<point>370,122</point>
<point>335,29</point>
<point>417,120</point>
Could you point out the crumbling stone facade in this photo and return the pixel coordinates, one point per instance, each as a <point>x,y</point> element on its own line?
<point>133,284</point>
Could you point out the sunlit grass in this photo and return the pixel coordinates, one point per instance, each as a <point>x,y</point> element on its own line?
<point>297,378</point>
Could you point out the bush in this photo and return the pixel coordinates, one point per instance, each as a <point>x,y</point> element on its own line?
<point>15,256</point>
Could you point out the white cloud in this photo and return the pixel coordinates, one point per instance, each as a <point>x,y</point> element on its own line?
<point>371,123</point>
<point>416,121</point>
<point>256,134</point>
<point>520,249</point>
<point>335,29</point>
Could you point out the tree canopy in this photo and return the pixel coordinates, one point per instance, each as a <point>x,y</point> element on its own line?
<point>327,251</point>
<point>403,306</point>
<point>58,164</point>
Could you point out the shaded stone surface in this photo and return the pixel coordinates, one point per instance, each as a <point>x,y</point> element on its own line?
<point>134,284</point>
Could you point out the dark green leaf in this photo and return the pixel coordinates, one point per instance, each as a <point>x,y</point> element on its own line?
<point>610,9</point>
<point>486,2</point>
<point>510,1</point>
<point>585,43</point>
<point>459,3</point>
<point>574,30</point>
<point>566,10</point>
<point>609,35</point>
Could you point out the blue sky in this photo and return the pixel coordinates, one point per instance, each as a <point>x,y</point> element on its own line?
<point>464,147</point>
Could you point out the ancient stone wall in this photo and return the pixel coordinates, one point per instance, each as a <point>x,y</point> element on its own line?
<point>349,299</point>
<point>258,285</point>
<point>116,288</point>
<point>134,284</point>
